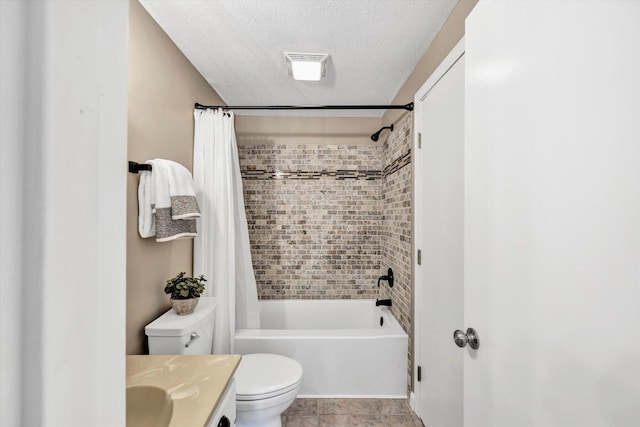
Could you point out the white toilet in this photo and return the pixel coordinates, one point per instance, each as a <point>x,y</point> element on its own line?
<point>266,384</point>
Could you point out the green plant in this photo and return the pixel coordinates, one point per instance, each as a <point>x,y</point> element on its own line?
<point>183,287</point>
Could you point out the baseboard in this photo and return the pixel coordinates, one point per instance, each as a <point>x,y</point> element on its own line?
<point>350,396</point>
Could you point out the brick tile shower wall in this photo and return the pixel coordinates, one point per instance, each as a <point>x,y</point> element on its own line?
<point>396,230</point>
<point>314,216</point>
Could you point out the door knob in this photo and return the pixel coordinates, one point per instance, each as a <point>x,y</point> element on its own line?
<point>471,337</point>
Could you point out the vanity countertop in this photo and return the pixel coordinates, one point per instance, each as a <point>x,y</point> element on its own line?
<point>195,383</point>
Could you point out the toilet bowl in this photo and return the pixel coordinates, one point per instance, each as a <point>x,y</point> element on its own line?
<point>266,384</point>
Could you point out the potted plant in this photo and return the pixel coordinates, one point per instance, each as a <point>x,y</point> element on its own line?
<point>185,292</point>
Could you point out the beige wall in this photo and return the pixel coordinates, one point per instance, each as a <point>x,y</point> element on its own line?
<point>255,130</point>
<point>163,87</point>
<point>448,36</point>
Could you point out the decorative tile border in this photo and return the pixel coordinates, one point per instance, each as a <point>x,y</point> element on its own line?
<point>340,174</point>
<point>253,174</point>
<point>397,164</point>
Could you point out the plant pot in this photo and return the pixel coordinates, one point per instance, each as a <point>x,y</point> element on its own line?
<point>184,306</point>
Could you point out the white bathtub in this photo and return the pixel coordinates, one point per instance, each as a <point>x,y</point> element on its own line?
<point>344,350</point>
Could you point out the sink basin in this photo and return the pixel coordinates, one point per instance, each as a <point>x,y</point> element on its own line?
<point>148,406</point>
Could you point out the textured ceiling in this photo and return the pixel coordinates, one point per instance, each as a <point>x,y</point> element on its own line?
<point>238,47</point>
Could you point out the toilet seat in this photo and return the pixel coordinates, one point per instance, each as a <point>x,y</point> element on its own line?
<point>262,376</point>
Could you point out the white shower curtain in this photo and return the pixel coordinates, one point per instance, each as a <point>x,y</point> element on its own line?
<point>221,250</point>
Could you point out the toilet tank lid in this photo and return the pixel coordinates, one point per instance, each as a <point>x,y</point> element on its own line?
<point>170,324</point>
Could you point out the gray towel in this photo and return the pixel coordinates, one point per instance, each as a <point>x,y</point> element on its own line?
<point>167,228</point>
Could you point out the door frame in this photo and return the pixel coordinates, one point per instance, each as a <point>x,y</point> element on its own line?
<point>456,53</point>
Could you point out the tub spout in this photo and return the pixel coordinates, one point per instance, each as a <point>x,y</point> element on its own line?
<point>386,302</point>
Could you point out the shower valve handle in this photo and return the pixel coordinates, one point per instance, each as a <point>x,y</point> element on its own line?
<point>388,278</point>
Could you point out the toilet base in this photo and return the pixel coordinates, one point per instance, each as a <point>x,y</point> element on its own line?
<point>249,416</point>
<point>274,422</point>
<point>269,417</point>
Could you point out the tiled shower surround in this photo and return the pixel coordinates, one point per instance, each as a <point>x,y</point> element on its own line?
<point>396,228</point>
<point>325,221</point>
<point>396,220</point>
<point>315,219</point>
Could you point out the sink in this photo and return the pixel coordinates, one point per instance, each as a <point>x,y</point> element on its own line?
<point>148,406</point>
<point>176,390</point>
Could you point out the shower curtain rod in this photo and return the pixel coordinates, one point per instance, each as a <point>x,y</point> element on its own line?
<point>408,107</point>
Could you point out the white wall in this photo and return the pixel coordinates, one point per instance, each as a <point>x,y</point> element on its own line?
<point>12,42</point>
<point>64,69</point>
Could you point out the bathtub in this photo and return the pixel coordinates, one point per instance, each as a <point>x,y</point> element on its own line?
<point>347,348</point>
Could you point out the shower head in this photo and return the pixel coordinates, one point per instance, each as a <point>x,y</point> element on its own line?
<point>376,135</point>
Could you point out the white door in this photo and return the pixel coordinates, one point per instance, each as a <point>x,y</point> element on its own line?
<point>439,194</point>
<point>552,213</point>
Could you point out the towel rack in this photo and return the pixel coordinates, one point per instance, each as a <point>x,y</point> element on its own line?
<point>135,167</point>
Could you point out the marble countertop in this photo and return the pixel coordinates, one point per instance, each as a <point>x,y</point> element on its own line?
<point>195,383</point>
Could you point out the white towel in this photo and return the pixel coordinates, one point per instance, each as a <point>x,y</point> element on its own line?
<point>167,228</point>
<point>146,204</point>
<point>184,204</point>
<point>155,202</point>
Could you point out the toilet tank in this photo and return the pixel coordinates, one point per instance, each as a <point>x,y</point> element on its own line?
<point>187,334</point>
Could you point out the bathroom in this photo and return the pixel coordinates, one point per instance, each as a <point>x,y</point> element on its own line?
<point>321,239</point>
<point>113,288</point>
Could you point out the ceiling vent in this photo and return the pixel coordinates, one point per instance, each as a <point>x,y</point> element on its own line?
<point>307,66</point>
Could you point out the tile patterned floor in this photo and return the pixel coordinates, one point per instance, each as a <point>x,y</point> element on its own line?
<point>350,413</point>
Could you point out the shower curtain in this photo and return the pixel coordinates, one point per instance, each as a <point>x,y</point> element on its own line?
<point>221,249</point>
